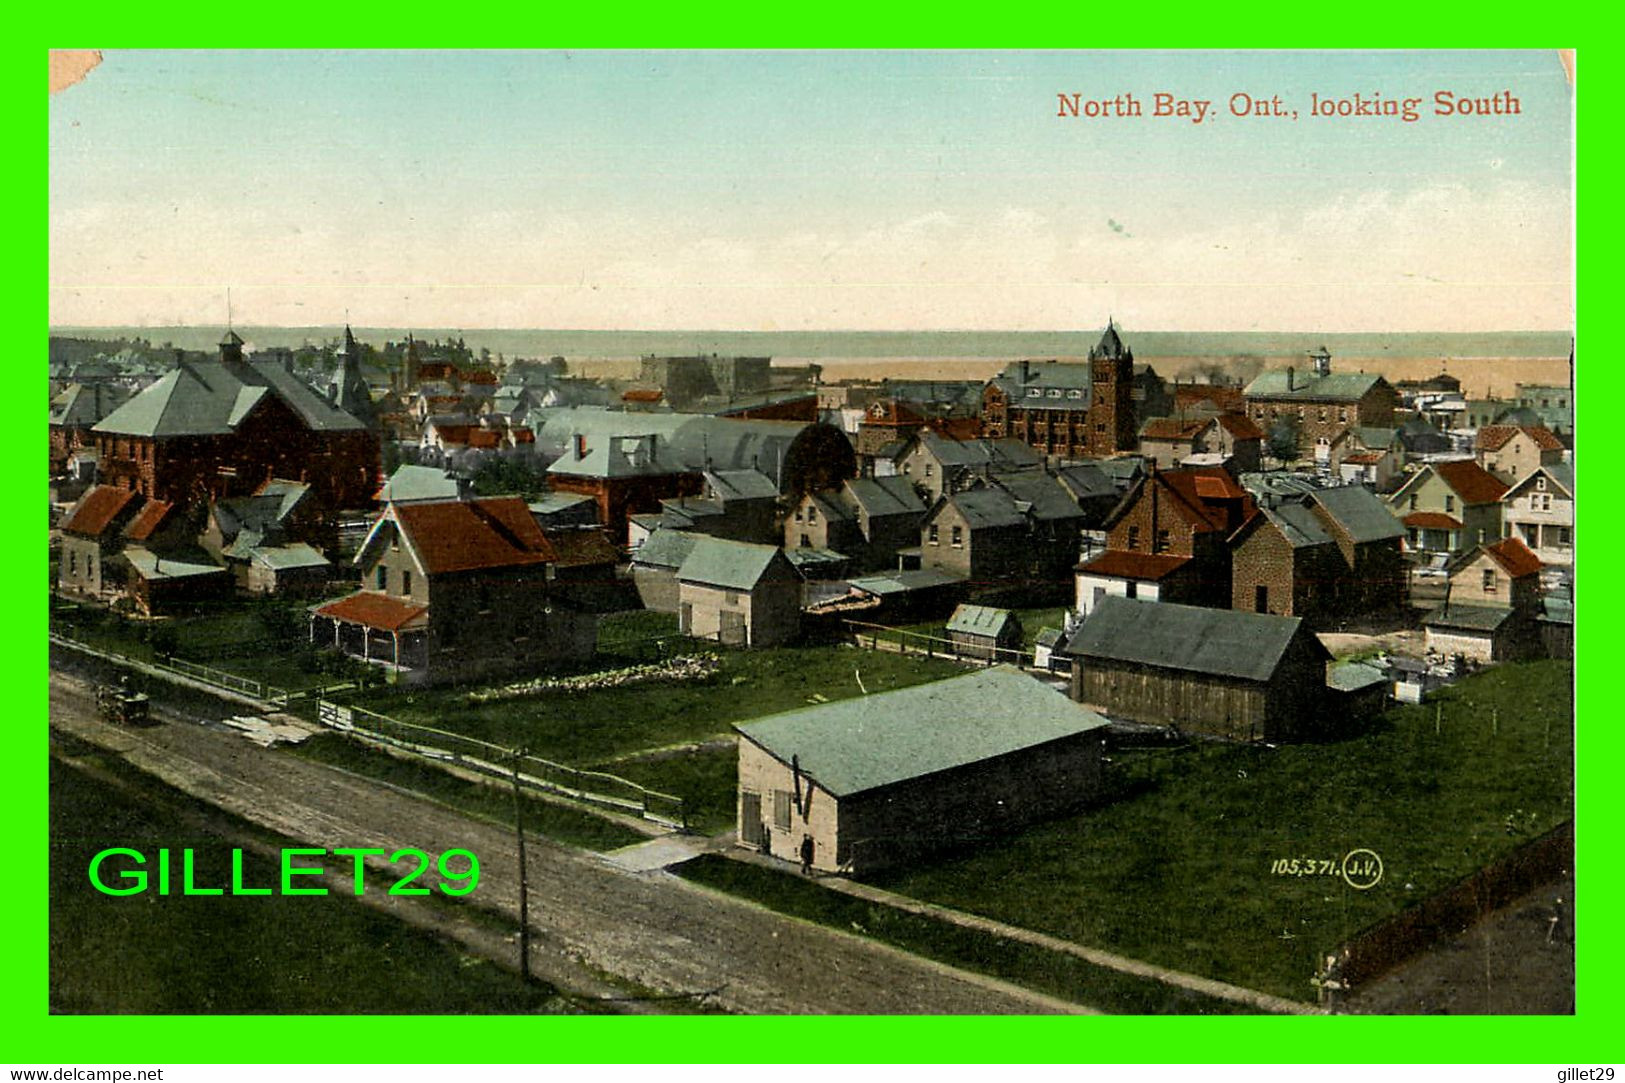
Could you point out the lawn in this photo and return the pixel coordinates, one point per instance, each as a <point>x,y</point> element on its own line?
<point>1046,971</point>
<point>707,779</point>
<point>1176,869</point>
<point>581,729</point>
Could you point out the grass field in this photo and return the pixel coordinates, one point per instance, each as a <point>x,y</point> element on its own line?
<point>583,729</point>
<point>1176,868</point>
<point>1051,972</point>
<point>707,779</point>
<point>558,822</point>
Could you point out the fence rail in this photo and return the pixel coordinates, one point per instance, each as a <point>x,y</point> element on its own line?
<point>593,787</point>
<point>905,641</point>
<point>269,694</point>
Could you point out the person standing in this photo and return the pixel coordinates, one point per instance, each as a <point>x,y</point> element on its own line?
<point>806,855</point>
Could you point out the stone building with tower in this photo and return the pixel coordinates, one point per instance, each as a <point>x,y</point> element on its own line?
<point>1066,410</point>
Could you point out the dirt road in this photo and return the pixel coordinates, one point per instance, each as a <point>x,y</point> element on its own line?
<point>651,929</point>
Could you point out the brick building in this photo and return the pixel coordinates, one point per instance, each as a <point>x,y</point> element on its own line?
<point>217,429</point>
<point>1067,410</point>
<point>1319,405</point>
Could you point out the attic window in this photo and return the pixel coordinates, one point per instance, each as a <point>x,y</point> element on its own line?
<point>812,514</point>
<point>1449,503</point>
<point>932,534</point>
<point>958,537</point>
<point>1133,537</point>
<point>1054,392</point>
<point>1074,394</point>
<point>1489,580</point>
<point>1035,392</point>
<point>1540,483</point>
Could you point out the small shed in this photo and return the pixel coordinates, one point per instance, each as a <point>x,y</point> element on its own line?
<point>876,780</point>
<point>1356,692</point>
<point>1479,633</point>
<point>981,631</point>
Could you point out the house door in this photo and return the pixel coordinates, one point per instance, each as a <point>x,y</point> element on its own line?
<point>751,829</point>
<point>685,618</point>
<point>733,628</point>
<point>1261,599</point>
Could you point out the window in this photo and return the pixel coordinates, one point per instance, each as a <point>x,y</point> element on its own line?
<point>806,543</point>
<point>812,513</point>
<point>73,563</point>
<point>929,469</point>
<point>1160,543</point>
<point>958,537</point>
<point>1132,590</point>
<point>732,597</point>
<point>782,801</point>
<point>1489,580</point>
<point>406,586</point>
<point>1074,394</point>
<point>1322,413</point>
<point>1449,503</point>
<point>798,513</point>
<point>1035,393</point>
<point>1342,413</point>
<point>1133,537</point>
<point>1562,535</point>
<point>1054,392</point>
<point>1101,427</point>
<point>1261,599</point>
<point>381,578</point>
<point>931,532</point>
<point>1540,484</point>
<point>1415,500</point>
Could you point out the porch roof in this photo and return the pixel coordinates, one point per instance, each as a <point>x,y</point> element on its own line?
<point>375,610</point>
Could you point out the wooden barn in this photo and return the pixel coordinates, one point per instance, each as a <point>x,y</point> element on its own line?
<point>868,782</point>
<point>1248,676</point>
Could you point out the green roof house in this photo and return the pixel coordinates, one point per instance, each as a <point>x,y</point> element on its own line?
<point>738,593</point>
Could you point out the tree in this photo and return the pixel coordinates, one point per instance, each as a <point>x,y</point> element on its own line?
<point>1284,438</point>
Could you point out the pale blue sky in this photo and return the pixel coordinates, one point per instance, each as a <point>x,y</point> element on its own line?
<point>805,190</point>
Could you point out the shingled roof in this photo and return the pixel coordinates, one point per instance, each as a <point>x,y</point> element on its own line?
<point>1516,557</point>
<point>1304,386</point>
<point>1472,482</point>
<point>854,745</point>
<point>1220,642</point>
<point>732,565</point>
<point>1496,437</point>
<point>466,535</point>
<point>97,510</point>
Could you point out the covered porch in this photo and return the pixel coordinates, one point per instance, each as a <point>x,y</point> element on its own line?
<point>376,628</point>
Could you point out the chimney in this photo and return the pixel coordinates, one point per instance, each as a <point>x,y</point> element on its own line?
<point>1026,371</point>
<point>1290,374</point>
<point>581,446</point>
<point>465,488</point>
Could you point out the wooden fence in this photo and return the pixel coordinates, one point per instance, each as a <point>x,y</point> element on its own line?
<point>594,787</point>
<point>272,696</point>
<point>883,637</point>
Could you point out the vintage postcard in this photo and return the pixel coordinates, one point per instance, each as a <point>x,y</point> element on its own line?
<point>865,533</point>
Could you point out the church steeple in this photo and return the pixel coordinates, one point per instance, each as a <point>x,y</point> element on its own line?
<point>231,347</point>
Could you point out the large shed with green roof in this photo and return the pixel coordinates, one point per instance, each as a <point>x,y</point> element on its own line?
<point>879,779</point>
<point>1250,676</point>
<point>738,593</point>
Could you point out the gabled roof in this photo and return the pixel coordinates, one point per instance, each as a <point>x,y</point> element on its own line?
<point>1360,512</point>
<point>742,485</point>
<point>466,535</point>
<point>380,611</point>
<point>409,483</point>
<point>151,566</point>
<point>620,457</point>
<point>1472,482</point>
<point>854,745</point>
<point>1086,481</point>
<point>1221,642</point>
<point>1174,428</point>
<point>1046,497</point>
<point>1514,556</point>
<point>991,454</point>
<point>905,582</point>
<point>981,620</point>
<point>1472,618</point>
<point>1239,426</point>
<point>1559,474</point>
<point>665,548</point>
<point>84,404</point>
<point>986,508</point>
<point>204,398</point>
<point>149,520</point>
<point>97,510</point>
<point>879,497</point>
<point>1353,677</point>
<point>1496,437</point>
<point>283,558</point>
<point>734,565</point>
<point>1295,522</point>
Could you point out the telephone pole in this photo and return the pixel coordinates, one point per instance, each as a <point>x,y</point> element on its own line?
<point>524,883</point>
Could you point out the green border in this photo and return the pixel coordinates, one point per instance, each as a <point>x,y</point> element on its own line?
<point>1585,1038</point>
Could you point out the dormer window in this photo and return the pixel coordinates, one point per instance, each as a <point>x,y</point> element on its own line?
<point>1035,392</point>
<point>1054,392</point>
<point>1074,394</point>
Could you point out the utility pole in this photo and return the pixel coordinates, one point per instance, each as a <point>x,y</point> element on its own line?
<point>524,882</point>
